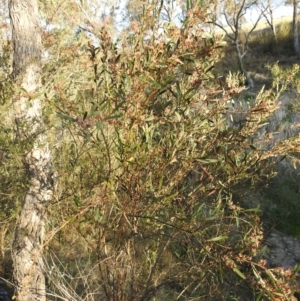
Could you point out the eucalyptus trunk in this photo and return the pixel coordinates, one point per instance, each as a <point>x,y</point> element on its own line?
<point>249,81</point>
<point>29,233</point>
<point>295,28</point>
<point>272,24</point>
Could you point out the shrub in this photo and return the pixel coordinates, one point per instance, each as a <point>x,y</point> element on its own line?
<point>147,165</point>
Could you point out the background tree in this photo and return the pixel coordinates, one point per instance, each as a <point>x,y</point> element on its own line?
<point>29,234</point>
<point>148,166</point>
<point>268,12</point>
<point>151,158</point>
<point>295,4</point>
<point>234,13</point>
<point>295,28</point>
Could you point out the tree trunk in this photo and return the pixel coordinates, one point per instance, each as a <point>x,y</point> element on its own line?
<point>295,28</point>
<point>29,233</point>
<point>272,24</point>
<point>249,81</point>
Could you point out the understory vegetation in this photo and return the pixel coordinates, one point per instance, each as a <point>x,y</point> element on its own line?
<point>155,145</point>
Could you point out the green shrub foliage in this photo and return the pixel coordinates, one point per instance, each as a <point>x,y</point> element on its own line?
<point>148,154</point>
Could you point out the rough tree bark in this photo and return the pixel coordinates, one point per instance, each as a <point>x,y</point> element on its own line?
<point>29,233</point>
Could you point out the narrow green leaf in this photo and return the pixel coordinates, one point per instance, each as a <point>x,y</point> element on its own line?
<point>77,200</point>
<point>237,221</point>
<point>170,197</point>
<point>160,183</point>
<point>218,238</point>
<point>238,272</point>
<point>282,158</point>
<point>207,161</point>
<point>97,214</point>
<point>65,117</point>
<point>209,68</point>
<point>151,118</point>
<point>255,210</point>
<point>100,82</point>
<point>257,277</point>
<point>23,89</point>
